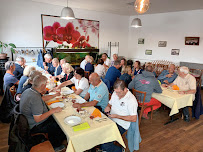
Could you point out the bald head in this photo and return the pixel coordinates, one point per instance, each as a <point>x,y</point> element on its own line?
<point>94,79</point>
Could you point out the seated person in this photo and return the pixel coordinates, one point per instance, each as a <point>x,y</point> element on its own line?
<point>98,94</point>
<point>58,69</point>
<point>115,57</point>
<point>113,73</point>
<point>126,76</point>
<point>80,82</point>
<point>48,64</point>
<point>39,117</point>
<point>122,109</point>
<point>100,69</point>
<point>84,62</point>
<point>123,65</point>
<point>69,73</point>
<point>9,78</point>
<point>18,73</point>
<point>187,85</point>
<point>89,67</point>
<point>28,69</point>
<point>107,61</point>
<point>168,76</point>
<point>146,82</point>
<point>62,61</point>
<point>137,68</point>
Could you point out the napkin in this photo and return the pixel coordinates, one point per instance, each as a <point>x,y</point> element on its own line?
<point>82,126</point>
<point>96,113</point>
<point>49,103</point>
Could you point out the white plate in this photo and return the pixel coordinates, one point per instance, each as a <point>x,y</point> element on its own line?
<point>81,100</point>
<point>72,120</point>
<point>66,92</point>
<point>57,104</point>
<point>52,93</point>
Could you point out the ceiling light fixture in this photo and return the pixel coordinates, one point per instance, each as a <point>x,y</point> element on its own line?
<point>136,23</point>
<point>67,13</point>
<point>141,6</point>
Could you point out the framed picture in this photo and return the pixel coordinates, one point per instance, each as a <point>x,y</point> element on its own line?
<point>162,43</point>
<point>72,34</point>
<point>140,41</point>
<point>175,51</point>
<point>148,52</point>
<point>191,40</point>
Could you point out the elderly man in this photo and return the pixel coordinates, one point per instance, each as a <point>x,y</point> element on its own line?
<point>147,82</point>
<point>107,61</point>
<point>84,62</point>
<point>187,85</point>
<point>39,117</point>
<point>168,76</point>
<point>122,109</point>
<point>98,94</point>
<point>115,57</point>
<point>48,64</point>
<point>9,78</point>
<point>19,67</point>
<point>113,73</point>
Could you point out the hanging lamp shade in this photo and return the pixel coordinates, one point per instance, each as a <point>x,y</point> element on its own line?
<point>67,13</point>
<point>141,6</point>
<point>136,23</point>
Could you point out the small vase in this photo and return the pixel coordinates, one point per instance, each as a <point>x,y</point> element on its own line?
<point>3,55</point>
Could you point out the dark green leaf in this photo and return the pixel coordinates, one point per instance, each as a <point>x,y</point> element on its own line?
<point>12,50</point>
<point>5,45</point>
<point>12,45</point>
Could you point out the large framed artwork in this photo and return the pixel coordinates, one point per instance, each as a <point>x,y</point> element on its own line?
<point>69,34</point>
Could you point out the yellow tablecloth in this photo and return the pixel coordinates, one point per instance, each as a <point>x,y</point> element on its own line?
<point>98,133</point>
<point>173,100</point>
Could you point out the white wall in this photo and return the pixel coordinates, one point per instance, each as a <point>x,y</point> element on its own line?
<point>20,23</point>
<point>170,27</point>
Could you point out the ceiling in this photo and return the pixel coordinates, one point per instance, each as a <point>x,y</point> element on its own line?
<point>126,7</point>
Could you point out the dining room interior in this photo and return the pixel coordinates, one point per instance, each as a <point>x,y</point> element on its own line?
<point>154,35</point>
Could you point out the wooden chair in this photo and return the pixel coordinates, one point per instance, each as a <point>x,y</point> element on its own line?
<point>199,77</point>
<point>87,74</point>
<point>110,96</point>
<point>13,90</point>
<point>140,96</point>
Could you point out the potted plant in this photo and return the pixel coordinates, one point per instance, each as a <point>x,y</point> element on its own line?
<point>5,46</point>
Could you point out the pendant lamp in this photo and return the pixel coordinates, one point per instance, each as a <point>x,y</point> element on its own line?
<point>67,13</point>
<point>136,23</point>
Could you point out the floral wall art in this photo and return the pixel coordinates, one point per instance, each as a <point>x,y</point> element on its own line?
<point>72,34</point>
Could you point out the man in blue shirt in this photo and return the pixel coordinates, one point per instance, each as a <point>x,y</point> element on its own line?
<point>168,76</point>
<point>48,64</point>
<point>97,94</point>
<point>113,73</point>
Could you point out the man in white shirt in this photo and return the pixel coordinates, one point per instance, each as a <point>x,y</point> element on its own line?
<point>187,85</point>
<point>84,62</point>
<point>122,109</point>
<point>107,61</point>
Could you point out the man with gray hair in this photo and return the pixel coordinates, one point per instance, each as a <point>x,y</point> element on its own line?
<point>48,64</point>
<point>39,117</point>
<point>19,67</point>
<point>147,82</point>
<point>187,85</point>
<point>9,78</point>
<point>84,62</point>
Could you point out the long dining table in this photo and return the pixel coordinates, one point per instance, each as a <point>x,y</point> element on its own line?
<point>102,130</point>
<point>173,100</point>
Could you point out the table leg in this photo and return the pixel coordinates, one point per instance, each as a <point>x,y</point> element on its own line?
<point>172,120</point>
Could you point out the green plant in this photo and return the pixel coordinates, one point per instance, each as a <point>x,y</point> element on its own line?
<point>4,45</point>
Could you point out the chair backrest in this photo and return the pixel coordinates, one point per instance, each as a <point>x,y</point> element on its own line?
<point>140,95</point>
<point>87,74</point>
<point>198,78</point>
<point>107,82</point>
<point>110,96</point>
<point>13,90</point>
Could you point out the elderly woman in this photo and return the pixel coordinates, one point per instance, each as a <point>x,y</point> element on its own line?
<point>56,65</point>
<point>100,69</point>
<point>28,69</point>
<point>126,76</point>
<point>69,72</point>
<point>81,83</point>
<point>137,68</point>
<point>123,65</point>
<point>9,78</point>
<point>89,67</point>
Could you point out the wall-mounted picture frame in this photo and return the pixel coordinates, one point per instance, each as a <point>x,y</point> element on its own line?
<point>192,40</point>
<point>148,52</point>
<point>162,43</point>
<point>140,41</point>
<point>175,51</point>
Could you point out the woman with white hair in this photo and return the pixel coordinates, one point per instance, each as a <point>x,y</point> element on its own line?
<point>56,65</point>
<point>69,72</point>
<point>187,85</point>
<point>28,69</point>
<point>89,67</point>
